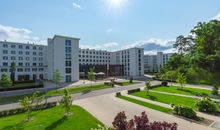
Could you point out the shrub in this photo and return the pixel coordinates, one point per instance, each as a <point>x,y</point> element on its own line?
<point>164,83</point>
<point>131,80</point>
<point>140,123</point>
<point>215,90</point>
<point>22,110</point>
<point>184,111</point>
<point>206,105</point>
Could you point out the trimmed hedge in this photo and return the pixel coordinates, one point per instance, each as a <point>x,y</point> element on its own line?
<point>185,112</point>
<point>20,88</point>
<point>22,110</point>
<point>134,90</point>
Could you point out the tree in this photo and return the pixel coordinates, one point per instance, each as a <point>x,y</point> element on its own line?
<point>13,67</point>
<point>91,75</point>
<point>181,79</point>
<point>57,78</point>
<point>148,85</point>
<point>26,104</point>
<point>215,90</point>
<point>5,81</point>
<point>140,123</point>
<point>183,44</point>
<point>66,102</point>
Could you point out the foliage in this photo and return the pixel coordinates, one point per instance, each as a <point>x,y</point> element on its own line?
<point>100,127</point>
<point>30,103</point>
<point>13,67</point>
<point>206,105</point>
<point>22,110</point>
<point>181,78</point>
<point>91,75</point>
<point>215,90</point>
<point>198,56</point>
<point>57,78</point>
<point>5,81</point>
<point>26,104</point>
<point>131,80</point>
<point>66,102</point>
<point>184,111</point>
<point>140,123</point>
<point>148,85</point>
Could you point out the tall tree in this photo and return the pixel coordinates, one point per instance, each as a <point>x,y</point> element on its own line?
<point>207,47</point>
<point>57,78</point>
<point>183,44</point>
<point>66,102</point>
<point>13,67</point>
<point>91,75</point>
<point>5,81</point>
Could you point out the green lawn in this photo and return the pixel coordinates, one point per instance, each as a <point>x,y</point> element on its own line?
<point>146,104</point>
<point>168,99</point>
<point>51,119</point>
<point>128,83</point>
<point>184,90</point>
<point>4,100</point>
<point>79,89</point>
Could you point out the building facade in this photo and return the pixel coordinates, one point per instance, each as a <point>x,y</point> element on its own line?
<point>153,63</point>
<point>62,53</point>
<point>30,60</point>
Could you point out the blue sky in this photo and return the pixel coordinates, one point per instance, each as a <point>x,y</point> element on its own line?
<point>101,24</point>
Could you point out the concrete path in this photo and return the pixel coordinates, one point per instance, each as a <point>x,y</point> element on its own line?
<point>106,107</point>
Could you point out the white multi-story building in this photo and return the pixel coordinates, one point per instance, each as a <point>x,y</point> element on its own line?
<point>132,59</point>
<point>30,60</point>
<point>63,53</point>
<point>153,63</point>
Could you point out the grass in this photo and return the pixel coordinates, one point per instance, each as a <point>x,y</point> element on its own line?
<point>146,104</point>
<point>51,119</point>
<point>184,90</point>
<point>166,98</point>
<point>128,83</point>
<point>78,90</point>
<point>5,100</point>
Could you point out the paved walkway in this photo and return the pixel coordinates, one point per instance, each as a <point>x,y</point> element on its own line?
<point>106,107</point>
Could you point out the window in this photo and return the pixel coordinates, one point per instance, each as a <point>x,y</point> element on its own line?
<point>40,64</point>
<point>27,70</point>
<point>68,70</point>
<point>34,53</point>
<point>27,47</point>
<point>34,59</point>
<point>68,78</point>
<point>40,48</point>
<point>41,69</point>
<point>12,46</point>
<point>34,64</point>
<point>5,45</point>
<point>40,58</point>
<point>27,58</point>
<point>20,70</point>
<point>68,42</point>
<point>68,49</point>
<point>34,47</point>
<point>5,51</point>
<point>40,53</point>
<point>68,63</point>
<point>68,56</point>
<point>20,47</point>
<point>5,64</point>
<point>27,53</point>
<point>4,70</point>
<point>13,58</point>
<point>12,52</point>
<point>20,52</point>
<point>34,69</point>
<point>5,58</point>
<point>27,64</point>
<point>20,58</point>
<point>20,64</point>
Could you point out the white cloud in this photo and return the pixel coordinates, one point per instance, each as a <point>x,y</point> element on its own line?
<point>106,46</point>
<point>109,30</point>
<point>75,5</point>
<point>217,17</point>
<point>159,42</point>
<point>18,35</point>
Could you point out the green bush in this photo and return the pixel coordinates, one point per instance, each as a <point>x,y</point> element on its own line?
<point>184,111</point>
<point>206,105</point>
<point>215,90</point>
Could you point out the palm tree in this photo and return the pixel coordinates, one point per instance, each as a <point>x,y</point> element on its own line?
<point>13,67</point>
